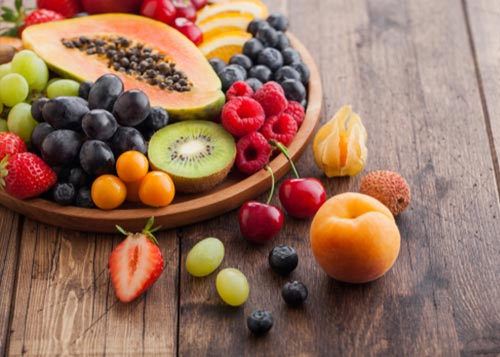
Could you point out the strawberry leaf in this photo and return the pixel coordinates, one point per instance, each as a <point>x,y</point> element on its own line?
<point>8,14</point>
<point>12,32</point>
<point>18,5</point>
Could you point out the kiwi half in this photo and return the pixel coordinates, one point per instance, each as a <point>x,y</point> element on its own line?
<point>197,154</point>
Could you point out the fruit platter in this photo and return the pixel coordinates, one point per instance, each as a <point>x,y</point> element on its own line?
<point>177,113</point>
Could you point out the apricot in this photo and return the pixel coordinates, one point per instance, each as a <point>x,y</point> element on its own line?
<point>354,238</point>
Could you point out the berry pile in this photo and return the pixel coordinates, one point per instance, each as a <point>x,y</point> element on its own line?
<point>268,56</point>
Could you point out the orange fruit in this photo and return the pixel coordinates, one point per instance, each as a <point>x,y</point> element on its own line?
<point>224,22</point>
<point>225,45</point>
<point>255,7</point>
<point>132,166</point>
<point>108,192</point>
<point>156,189</point>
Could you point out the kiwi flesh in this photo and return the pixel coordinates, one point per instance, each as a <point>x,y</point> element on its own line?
<point>197,154</point>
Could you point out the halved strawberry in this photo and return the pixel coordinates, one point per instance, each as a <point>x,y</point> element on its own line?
<point>136,263</point>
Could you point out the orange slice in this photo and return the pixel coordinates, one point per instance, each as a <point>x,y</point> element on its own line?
<point>224,22</point>
<point>254,7</point>
<point>225,45</point>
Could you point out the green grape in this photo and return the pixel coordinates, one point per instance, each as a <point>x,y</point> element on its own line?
<point>1,107</point>
<point>232,286</point>
<point>13,89</point>
<point>3,125</point>
<point>5,69</point>
<point>63,87</point>
<point>205,257</point>
<point>42,78</point>
<point>30,66</point>
<point>21,122</point>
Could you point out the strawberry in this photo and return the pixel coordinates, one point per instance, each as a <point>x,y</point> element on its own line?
<point>67,8</point>
<point>40,16</point>
<point>136,263</point>
<point>25,175</point>
<point>11,144</point>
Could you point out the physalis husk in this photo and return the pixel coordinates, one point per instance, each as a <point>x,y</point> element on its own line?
<point>340,145</point>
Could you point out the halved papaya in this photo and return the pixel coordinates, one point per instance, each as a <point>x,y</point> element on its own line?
<point>82,48</point>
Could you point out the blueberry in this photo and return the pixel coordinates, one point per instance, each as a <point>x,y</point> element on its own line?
<point>131,107</point>
<point>283,259</point>
<point>294,293</point>
<point>84,89</point>
<point>268,36</point>
<point>243,60</point>
<point>39,134</point>
<point>99,124</point>
<point>77,177</point>
<point>283,41</point>
<point>230,74</point>
<point>259,322</point>
<point>254,83</point>
<point>96,158</point>
<point>36,109</point>
<point>105,91</point>
<point>127,138</point>
<point>261,72</point>
<point>294,90</point>
<point>286,72</point>
<point>60,147</point>
<point>278,21</point>
<point>255,25</point>
<point>304,71</point>
<point>252,48</point>
<point>65,112</point>
<point>157,119</point>
<point>84,198</point>
<point>271,58</point>
<point>217,64</point>
<point>290,55</point>
<point>63,193</point>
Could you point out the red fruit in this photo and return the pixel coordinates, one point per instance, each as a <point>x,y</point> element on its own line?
<point>25,175</point>
<point>252,153</point>
<point>302,197</point>
<point>259,222</point>
<point>161,10</point>
<point>105,6</point>
<point>199,4</point>
<point>296,111</point>
<point>135,264</point>
<point>189,29</point>
<point>11,144</point>
<point>239,89</point>
<point>67,8</point>
<point>38,17</point>
<point>184,8</point>
<point>280,127</point>
<point>242,115</point>
<point>272,98</point>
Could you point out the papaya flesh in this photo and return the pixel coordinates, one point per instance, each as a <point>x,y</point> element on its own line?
<point>200,96</point>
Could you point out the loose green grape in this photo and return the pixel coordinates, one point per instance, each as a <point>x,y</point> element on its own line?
<point>205,257</point>
<point>13,89</point>
<point>232,286</point>
<point>3,125</point>
<point>30,66</point>
<point>21,122</point>
<point>63,87</point>
<point>5,69</point>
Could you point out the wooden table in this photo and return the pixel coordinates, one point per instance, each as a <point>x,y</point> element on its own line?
<point>424,76</point>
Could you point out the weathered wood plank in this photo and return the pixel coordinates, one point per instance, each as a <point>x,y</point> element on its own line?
<point>407,69</point>
<point>65,303</point>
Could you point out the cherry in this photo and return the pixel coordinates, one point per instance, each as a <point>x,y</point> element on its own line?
<point>184,8</point>
<point>300,197</point>
<point>199,4</point>
<point>260,222</point>
<point>189,29</point>
<point>161,10</point>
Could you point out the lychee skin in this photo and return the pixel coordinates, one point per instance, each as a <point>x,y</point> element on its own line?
<point>388,187</point>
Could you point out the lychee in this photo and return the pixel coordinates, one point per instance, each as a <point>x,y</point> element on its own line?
<point>388,187</point>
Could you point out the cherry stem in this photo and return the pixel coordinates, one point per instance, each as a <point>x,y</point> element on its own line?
<point>284,150</point>
<point>272,184</point>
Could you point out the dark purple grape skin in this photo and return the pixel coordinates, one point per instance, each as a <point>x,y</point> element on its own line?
<point>127,138</point>
<point>96,158</point>
<point>39,134</point>
<point>157,119</point>
<point>65,112</point>
<point>99,124</point>
<point>36,109</point>
<point>84,89</point>
<point>104,92</point>
<point>61,147</point>
<point>131,108</point>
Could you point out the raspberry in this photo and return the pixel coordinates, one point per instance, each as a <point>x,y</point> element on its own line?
<point>272,98</point>
<point>281,128</point>
<point>252,153</point>
<point>296,111</point>
<point>239,89</point>
<point>242,115</point>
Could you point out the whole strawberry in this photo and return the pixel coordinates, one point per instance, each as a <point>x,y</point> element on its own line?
<point>67,8</point>
<point>11,144</point>
<point>136,263</point>
<point>38,17</point>
<point>25,175</point>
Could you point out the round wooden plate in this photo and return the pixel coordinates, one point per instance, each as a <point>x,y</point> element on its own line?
<point>185,209</point>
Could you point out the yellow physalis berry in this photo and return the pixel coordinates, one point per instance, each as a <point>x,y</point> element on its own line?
<point>340,145</point>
